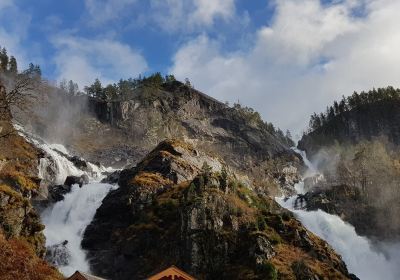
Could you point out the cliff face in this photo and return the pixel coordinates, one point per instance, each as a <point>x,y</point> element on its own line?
<point>123,131</point>
<point>22,241</point>
<point>150,115</point>
<point>181,206</point>
<point>365,122</point>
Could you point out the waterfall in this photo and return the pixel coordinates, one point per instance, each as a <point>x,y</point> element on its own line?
<point>361,258</point>
<point>66,220</point>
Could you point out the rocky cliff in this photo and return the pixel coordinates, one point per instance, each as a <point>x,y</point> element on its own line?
<point>124,129</point>
<point>22,241</point>
<point>181,206</point>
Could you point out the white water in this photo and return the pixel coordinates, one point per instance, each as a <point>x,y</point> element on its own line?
<point>68,219</point>
<point>356,251</point>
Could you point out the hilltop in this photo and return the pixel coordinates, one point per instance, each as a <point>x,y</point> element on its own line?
<point>120,129</point>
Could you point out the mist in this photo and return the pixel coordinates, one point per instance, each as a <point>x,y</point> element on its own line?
<point>55,115</point>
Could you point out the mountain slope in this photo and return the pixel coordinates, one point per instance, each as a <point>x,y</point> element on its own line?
<point>356,147</point>
<point>122,130</point>
<point>363,116</point>
<point>181,206</point>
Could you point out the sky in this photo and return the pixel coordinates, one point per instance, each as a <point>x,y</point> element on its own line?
<point>285,58</point>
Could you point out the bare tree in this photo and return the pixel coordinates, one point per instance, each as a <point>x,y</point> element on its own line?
<point>16,91</point>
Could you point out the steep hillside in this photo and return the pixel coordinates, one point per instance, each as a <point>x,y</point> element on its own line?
<point>355,144</point>
<point>22,241</point>
<point>122,129</point>
<point>181,206</point>
<point>363,116</point>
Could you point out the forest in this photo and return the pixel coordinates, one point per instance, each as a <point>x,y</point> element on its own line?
<point>351,102</point>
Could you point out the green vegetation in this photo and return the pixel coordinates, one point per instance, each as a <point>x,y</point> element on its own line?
<point>269,271</point>
<point>354,101</point>
<point>9,66</point>
<point>128,86</point>
<point>254,117</point>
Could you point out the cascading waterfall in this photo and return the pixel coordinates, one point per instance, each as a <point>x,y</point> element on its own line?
<point>360,256</point>
<point>67,219</point>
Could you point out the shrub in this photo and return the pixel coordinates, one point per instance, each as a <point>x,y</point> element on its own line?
<point>269,271</point>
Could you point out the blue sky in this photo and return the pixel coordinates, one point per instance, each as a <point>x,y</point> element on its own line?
<point>157,44</point>
<point>285,58</point>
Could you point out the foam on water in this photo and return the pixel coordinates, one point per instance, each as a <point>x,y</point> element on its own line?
<point>68,219</point>
<point>361,258</point>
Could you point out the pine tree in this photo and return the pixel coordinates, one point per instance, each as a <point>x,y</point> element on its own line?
<point>12,66</point>
<point>72,87</point>
<point>3,59</point>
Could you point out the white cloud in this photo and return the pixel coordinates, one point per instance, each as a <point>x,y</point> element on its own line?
<point>103,11</point>
<point>207,10</point>
<point>169,15</point>
<point>83,60</point>
<point>14,25</point>
<point>184,15</point>
<point>310,55</point>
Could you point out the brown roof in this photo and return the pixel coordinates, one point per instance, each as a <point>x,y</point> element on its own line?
<point>172,273</point>
<point>79,275</point>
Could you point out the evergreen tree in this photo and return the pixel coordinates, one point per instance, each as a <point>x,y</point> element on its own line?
<point>206,169</point>
<point>64,85</point>
<point>12,66</point>
<point>170,78</point>
<point>111,91</point>
<point>3,59</point>
<point>72,88</point>
<point>96,90</point>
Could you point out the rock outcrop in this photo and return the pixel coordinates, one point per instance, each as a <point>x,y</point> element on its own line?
<point>348,203</point>
<point>180,206</point>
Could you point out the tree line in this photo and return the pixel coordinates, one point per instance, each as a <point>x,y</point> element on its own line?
<point>127,86</point>
<point>351,102</point>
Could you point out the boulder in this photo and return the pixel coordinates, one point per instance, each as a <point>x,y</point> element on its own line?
<point>112,178</point>
<point>79,162</point>
<point>72,180</point>
<point>57,192</point>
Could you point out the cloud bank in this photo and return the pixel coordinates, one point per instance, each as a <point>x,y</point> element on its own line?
<point>310,54</point>
<point>83,60</point>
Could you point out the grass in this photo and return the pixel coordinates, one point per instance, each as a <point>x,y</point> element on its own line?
<point>9,191</point>
<point>18,261</point>
<point>150,180</point>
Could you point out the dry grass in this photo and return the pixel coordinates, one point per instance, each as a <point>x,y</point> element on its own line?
<point>286,255</point>
<point>9,191</point>
<point>12,177</point>
<point>21,160</point>
<point>150,180</point>
<point>18,261</point>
